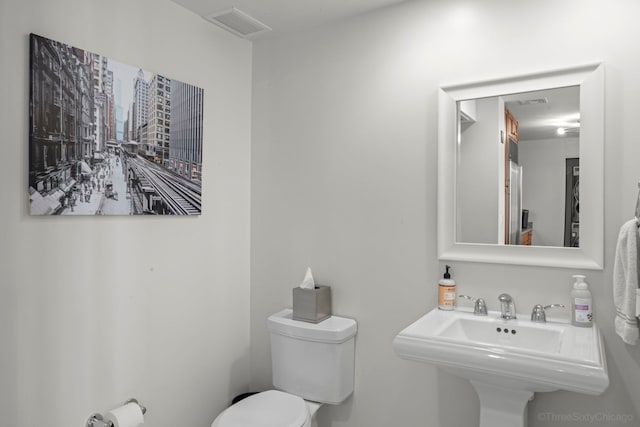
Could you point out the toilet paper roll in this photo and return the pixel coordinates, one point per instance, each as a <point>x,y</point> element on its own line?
<point>129,415</point>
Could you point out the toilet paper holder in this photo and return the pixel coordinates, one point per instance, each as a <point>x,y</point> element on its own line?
<point>97,420</point>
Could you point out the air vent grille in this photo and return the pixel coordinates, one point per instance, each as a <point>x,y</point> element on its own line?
<point>237,22</point>
<point>535,101</point>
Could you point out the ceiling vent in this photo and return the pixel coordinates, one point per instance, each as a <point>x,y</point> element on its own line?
<point>237,22</point>
<point>535,101</point>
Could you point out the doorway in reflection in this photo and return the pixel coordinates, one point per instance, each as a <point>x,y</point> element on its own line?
<point>572,204</point>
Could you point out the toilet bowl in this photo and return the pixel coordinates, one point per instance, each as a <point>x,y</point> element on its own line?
<point>312,364</point>
<point>272,408</point>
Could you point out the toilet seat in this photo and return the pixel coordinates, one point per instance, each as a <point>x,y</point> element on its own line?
<point>271,408</point>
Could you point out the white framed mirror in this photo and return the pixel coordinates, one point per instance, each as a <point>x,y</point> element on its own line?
<point>456,207</point>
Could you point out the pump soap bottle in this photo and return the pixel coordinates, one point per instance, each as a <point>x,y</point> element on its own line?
<point>581,303</point>
<point>447,291</point>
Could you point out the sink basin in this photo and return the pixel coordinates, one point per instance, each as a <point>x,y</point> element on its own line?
<point>514,336</point>
<point>507,361</point>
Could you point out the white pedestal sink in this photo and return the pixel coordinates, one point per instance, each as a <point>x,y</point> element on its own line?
<point>507,361</point>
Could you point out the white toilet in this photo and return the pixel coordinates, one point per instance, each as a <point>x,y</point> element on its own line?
<point>313,363</point>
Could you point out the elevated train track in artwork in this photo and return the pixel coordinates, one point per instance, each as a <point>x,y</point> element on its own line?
<point>161,190</point>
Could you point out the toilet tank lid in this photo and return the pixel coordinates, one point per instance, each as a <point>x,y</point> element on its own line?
<point>334,329</point>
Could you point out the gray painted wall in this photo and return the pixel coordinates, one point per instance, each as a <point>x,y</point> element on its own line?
<point>344,180</point>
<point>94,311</point>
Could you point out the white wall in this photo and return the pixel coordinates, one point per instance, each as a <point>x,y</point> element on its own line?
<point>97,310</point>
<point>479,185</point>
<point>544,186</point>
<point>344,180</point>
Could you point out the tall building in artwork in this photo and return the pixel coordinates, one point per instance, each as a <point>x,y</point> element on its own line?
<point>140,99</point>
<point>110,108</point>
<point>159,118</point>
<point>61,131</point>
<point>129,132</point>
<point>86,104</point>
<point>60,110</point>
<point>120,119</point>
<point>101,86</point>
<point>185,151</point>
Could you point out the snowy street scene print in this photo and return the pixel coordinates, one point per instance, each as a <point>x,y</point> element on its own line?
<point>107,138</point>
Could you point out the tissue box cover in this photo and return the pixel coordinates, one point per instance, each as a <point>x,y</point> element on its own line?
<point>312,305</point>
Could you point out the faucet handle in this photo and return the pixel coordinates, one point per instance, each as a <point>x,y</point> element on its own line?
<point>506,298</point>
<point>479,308</point>
<point>538,314</point>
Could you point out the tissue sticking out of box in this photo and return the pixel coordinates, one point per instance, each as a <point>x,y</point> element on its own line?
<point>308,282</point>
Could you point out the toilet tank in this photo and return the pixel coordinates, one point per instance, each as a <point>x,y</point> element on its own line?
<point>313,360</point>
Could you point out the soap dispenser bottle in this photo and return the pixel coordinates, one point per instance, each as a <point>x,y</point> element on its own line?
<point>581,303</point>
<point>447,291</point>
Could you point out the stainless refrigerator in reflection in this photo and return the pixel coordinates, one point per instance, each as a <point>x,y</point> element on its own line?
<point>515,203</point>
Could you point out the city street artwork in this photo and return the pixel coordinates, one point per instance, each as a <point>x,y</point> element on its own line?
<point>106,138</point>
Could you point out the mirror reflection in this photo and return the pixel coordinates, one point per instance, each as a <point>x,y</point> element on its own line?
<point>518,169</point>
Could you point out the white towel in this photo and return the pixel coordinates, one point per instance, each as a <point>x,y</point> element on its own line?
<point>625,282</point>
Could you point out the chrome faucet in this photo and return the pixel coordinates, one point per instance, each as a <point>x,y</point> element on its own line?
<point>507,306</point>
<point>479,306</point>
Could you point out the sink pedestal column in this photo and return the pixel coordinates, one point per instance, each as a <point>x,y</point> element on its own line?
<point>501,406</point>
